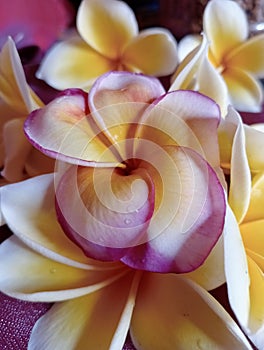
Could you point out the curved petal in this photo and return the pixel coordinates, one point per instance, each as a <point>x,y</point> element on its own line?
<point>64,129</point>
<point>211,83</point>
<point>17,150</point>
<point>13,86</point>
<point>240,176</point>
<point>29,276</point>
<point>106,25</point>
<point>253,236</point>
<point>211,273</point>
<point>187,44</point>
<point>226,26</point>
<point>153,52</point>
<point>245,91</point>
<point>117,101</point>
<point>254,142</point>
<point>184,118</point>
<point>185,74</point>
<point>236,269</point>
<point>73,63</point>
<point>28,209</point>
<point>105,211</point>
<point>96,321</point>
<point>255,210</point>
<point>189,212</point>
<point>256,317</point>
<point>249,56</point>
<point>174,313</point>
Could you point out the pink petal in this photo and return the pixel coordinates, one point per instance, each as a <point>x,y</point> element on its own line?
<point>188,218</point>
<point>34,23</point>
<point>64,129</point>
<point>105,211</point>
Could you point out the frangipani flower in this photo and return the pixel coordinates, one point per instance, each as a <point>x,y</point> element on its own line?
<point>96,303</point>
<point>17,100</point>
<point>140,171</point>
<point>237,59</point>
<point>239,149</point>
<point>107,39</point>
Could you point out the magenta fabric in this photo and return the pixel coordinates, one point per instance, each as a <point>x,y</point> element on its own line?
<point>34,22</point>
<point>17,318</point>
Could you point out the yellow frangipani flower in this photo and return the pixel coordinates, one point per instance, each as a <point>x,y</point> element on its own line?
<point>17,157</point>
<point>233,60</point>
<point>107,39</point>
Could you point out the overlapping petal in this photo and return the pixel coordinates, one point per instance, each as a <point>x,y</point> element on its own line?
<point>174,313</point>
<point>45,277</point>
<point>245,91</point>
<point>65,129</point>
<point>33,219</point>
<point>94,16</point>
<point>248,56</point>
<point>98,320</point>
<point>189,200</point>
<point>72,63</point>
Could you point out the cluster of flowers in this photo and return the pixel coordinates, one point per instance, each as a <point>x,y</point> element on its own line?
<point>129,203</point>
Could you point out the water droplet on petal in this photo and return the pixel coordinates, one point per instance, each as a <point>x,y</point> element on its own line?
<point>52,270</point>
<point>127,221</point>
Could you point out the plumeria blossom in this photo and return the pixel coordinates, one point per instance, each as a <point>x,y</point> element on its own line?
<point>126,151</point>
<point>140,171</point>
<point>37,23</point>
<point>18,158</point>
<point>235,57</point>
<point>107,39</point>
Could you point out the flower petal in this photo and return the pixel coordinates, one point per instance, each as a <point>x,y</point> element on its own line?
<point>253,237</point>
<point>117,100</point>
<point>210,274</point>
<point>184,76</point>
<point>105,211</point>
<point>174,313</point>
<point>226,26</point>
<point>17,149</point>
<point>73,63</point>
<point>184,118</point>
<point>237,275</point>
<point>28,209</point>
<point>231,132</point>
<point>245,91</point>
<point>106,25</point>
<point>13,86</point>
<point>249,56</point>
<point>37,278</point>
<point>255,210</point>
<point>64,129</point>
<point>254,142</point>
<point>189,201</point>
<point>256,318</point>
<point>211,83</point>
<point>152,52</point>
<point>97,321</point>
<point>187,44</point>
